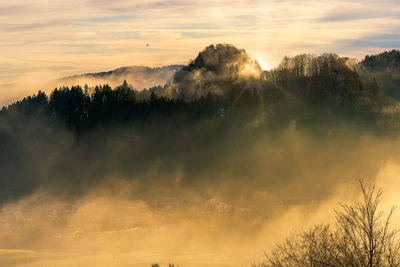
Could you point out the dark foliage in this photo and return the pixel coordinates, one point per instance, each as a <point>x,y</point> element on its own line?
<point>384,70</point>
<point>387,60</point>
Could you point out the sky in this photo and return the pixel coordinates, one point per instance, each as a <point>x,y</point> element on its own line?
<point>43,38</point>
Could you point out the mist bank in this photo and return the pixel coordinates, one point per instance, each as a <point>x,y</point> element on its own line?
<point>209,155</point>
<point>107,227</point>
<point>140,77</point>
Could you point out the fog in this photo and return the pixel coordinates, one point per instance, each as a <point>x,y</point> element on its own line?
<point>138,77</point>
<point>27,85</point>
<point>127,198</point>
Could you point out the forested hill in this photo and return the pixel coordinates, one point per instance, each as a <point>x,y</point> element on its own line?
<point>216,112</point>
<point>224,82</point>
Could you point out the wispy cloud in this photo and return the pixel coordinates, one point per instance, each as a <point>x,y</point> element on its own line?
<point>386,41</point>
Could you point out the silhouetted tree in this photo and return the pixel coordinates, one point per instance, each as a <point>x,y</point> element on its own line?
<point>361,238</point>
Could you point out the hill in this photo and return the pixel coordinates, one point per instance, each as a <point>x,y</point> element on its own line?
<point>218,69</point>
<point>221,81</point>
<point>139,76</point>
<point>205,127</point>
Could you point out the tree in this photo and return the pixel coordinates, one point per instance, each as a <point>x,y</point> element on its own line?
<point>153,97</point>
<point>361,238</point>
<point>374,87</point>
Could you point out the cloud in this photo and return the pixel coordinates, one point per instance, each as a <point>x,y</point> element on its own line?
<point>375,40</point>
<point>347,12</point>
<point>200,35</point>
<point>349,15</point>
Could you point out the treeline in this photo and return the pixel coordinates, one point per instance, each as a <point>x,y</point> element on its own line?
<point>387,60</point>
<point>326,78</point>
<point>81,110</point>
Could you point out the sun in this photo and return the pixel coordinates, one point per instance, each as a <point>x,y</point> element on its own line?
<point>265,65</point>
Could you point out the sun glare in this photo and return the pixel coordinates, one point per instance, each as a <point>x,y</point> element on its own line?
<point>265,65</point>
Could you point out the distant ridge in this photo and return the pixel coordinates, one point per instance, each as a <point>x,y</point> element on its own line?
<point>139,77</point>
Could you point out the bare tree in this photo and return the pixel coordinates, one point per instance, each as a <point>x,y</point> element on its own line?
<point>361,238</point>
